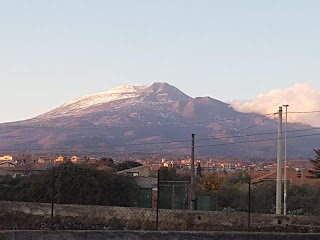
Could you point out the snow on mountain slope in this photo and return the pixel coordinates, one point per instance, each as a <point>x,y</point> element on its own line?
<point>117,93</point>
<point>156,92</point>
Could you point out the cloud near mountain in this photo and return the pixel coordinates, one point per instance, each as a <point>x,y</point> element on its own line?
<point>301,97</point>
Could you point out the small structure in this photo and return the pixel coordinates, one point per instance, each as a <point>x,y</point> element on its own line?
<point>6,158</point>
<point>74,159</point>
<point>92,160</point>
<point>147,185</point>
<point>3,173</point>
<point>44,160</point>
<point>141,171</point>
<point>7,164</point>
<point>60,159</point>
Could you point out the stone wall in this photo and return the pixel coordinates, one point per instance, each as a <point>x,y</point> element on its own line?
<point>147,235</point>
<point>16,215</point>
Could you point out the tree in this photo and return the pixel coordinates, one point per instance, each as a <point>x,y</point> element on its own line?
<point>127,165</point>
<point>170,174</point>
<point>74,184</point>
<point>238,179</point>
<point>315,171</point>
<point>263,197</point>
<point>210,183</point>
<point>107,162</point>
<point>167,174</point>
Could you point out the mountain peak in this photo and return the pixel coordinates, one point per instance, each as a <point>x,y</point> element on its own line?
<point>155,92</point>
<point>125,89</point>
<point>162,89</point>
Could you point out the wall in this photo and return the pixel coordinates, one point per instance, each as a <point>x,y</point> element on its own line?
<point>135,235</point>
<point>15,215</point>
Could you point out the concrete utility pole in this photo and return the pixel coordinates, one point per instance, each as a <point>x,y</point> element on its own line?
<point>52,197</point>
<point>285,164</point>
<point>279,175</point>
<point>192,176</point>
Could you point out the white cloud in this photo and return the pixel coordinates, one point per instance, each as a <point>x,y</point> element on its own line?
<point>301,97</point>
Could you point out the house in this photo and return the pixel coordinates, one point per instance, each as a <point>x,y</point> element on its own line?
<point>7,164</point>
<point>44,160</point>
<point>60,159</point>
<point>148,189</point>
<point>4,173</point>
<point>27,170</point>
<point>141,171</point>
<point>74,159</point>
<point>92,160</point>
<point>6,158</point>
<point>293,177</point>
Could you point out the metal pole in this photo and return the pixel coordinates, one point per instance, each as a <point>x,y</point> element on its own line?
<point>302,176</point>
<point>192,192</point>
<point>249,205</point>
<point>279,154</point>
<point>173,198</point>
<point>158,201</point>
<point>285,164</point>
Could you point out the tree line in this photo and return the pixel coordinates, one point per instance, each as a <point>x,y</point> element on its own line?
<point>71,184</point>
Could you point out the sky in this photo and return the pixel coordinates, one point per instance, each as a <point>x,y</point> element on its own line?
<point>249,53</point>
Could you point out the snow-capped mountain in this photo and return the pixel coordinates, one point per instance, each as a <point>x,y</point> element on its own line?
<point>157,92</point>
<point>155,118</point>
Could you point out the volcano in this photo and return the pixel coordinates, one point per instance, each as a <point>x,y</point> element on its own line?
<point>153,119</point>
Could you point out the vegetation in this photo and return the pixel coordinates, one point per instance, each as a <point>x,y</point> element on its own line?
<point>127,165</point>
<point>78,184</point>
<point>106,161</point>
<point>73,184</point>
<point>315,171</point>
<point>170,174</point>
<point>210,183</point>
<point>232,194</point>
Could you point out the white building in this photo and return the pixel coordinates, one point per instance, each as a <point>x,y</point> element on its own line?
<point>6,158</point>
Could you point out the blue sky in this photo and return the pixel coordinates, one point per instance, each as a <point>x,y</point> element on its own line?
<point>54,51</point>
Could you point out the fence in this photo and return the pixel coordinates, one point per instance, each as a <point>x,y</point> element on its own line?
<point>71,184</point>
<point>173,194</point>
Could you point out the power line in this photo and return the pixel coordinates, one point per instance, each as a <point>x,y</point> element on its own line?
<point>202,146</point>
<point>171,142</point>
<point>182,141</point>
<point>257,134</point>
<point>174,148</point>
<point>220,144</point>
<point>260,140</point>
<point>305,112</point>
<point>134,126</point>
<point>256,123</point>
<point>159,143</point>
<point>135,144</point>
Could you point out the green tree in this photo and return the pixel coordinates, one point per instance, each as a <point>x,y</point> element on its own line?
<point>127,165</point>
<point>74,184</point>
<point>263,197</point>
<point>170,174</point>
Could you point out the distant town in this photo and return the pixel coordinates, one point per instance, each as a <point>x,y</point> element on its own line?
<point>259,169</point>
